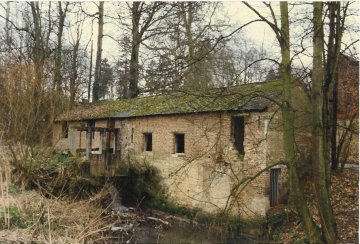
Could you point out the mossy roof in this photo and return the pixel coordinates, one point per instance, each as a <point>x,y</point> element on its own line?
<point>248,97</point>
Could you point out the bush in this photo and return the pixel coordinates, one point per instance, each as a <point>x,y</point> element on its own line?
<point>277,221</point>
<point>53,174</point>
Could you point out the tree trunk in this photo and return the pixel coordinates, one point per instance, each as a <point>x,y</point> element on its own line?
<point>58,52</point>
<point>38,59</point>
<point>187,16</point>
<point>96,86</point>
<point>318,137</point>
<point>288,126</point>
<point>90,72</point>
<point>135,47</point>
<point>74,75</point>
<point>335,39</point>
<point>7,27</point>
<point>38,50</point>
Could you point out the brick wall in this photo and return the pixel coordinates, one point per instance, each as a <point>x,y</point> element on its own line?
<point>211,166</point>
<point>350,140</point>
<point>348,87</point>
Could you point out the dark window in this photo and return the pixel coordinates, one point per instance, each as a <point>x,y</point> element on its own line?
<point>179,143</point>
<point>238,132</point>
<point>65,129</point>
<point>274,187</point>
<point>148,142</point>
<point>132,135</point>
<point>348,100</point>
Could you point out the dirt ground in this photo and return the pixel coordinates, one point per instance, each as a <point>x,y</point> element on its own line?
<point>345,202</point>
<point>35,219</point>
<point>27,216</point>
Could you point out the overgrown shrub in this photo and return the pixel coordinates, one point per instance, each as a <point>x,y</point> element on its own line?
<point>273,223</point>
<point>53,174</point>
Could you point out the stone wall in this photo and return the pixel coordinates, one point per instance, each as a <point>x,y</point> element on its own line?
<point>205,174</point>
<point>211,167</point>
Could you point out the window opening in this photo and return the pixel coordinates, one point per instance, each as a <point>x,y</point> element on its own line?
<point>148,142</point>
<point>348,99</point>
<point>132,135</point>
<point>238,132</point>
<point>179,143</point>
<point>65,130</point>
<point>97,143</point>
<point>274,186</point>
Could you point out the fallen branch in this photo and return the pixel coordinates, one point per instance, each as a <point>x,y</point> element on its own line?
<point>158,220</point>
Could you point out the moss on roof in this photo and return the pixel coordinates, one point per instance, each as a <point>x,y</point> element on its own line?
<point>248,97</point>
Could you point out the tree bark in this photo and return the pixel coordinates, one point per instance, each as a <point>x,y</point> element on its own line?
<point>138,30</point>
<point>318,136</point>
<point>90,72</point>
<point>187,16</point>
<point>58,52</point>
<point>288,126</point>
<point>98,53</point>
<point>135,47</point>
<point>38,50</point>
<point>335,39</point>
<point>7,27</point>
<point>74,74</point>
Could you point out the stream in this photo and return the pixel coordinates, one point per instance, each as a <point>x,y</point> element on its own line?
<point>155,226</point>
<point>163,228</point>
<point>183,233</point>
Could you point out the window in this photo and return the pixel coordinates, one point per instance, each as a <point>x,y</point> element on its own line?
<point>238,132</point>
<point>348,99</point>
<point>274,186</point>
<point>65,130</point>
<point>179,143</point>
<point>148,142</point>
<point>132,135</point>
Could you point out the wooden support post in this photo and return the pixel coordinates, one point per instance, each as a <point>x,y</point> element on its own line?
<point>114,141</point>
<point>88,143</point>
<point>72,141</point>
<point>101,141</point>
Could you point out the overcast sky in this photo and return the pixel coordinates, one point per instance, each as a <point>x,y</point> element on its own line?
<point>238,14</point>
<point>235,12</point>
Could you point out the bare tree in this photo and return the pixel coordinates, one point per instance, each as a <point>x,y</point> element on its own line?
<point>74,66</point>
<point>184,54</point>
<point>57,72</point>
<point>336,29</point>
<point>143,18</point>
<point>319,159</point>
<point>283,37</point>
<point>98,51</point>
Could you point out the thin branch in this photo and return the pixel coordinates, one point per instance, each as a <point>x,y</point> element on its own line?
<point>272,25</point>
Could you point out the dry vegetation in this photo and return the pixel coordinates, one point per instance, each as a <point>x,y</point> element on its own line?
<point>54,214</point>
<point>345,202</point>
<point>29,215</point>
<point>36,218</point>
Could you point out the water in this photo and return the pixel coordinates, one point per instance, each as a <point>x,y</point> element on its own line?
<point>184,233</point>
